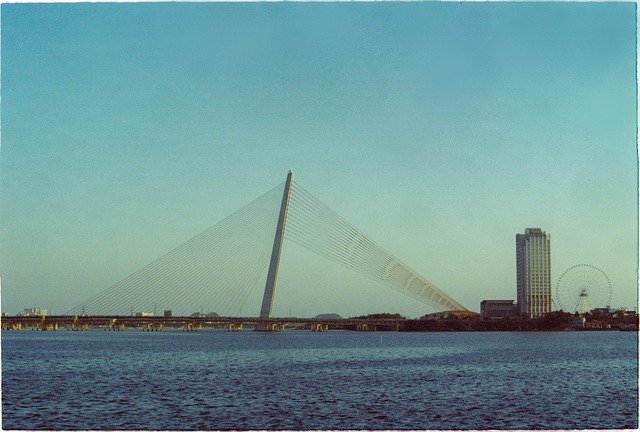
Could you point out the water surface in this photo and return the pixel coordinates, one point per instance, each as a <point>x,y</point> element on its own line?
<point>303,380</point>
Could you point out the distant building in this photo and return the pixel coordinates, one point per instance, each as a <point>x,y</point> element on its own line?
<point>610,312</point>
<point>498,308</point>
<point>533,272</point>
<point>605,311</point>
<point>596,324</point>
<point>168,313</point>
<point>36,311</point>
<point>144,314</point>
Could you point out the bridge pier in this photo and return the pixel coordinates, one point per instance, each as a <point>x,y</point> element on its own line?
<point>75,327</point>
<point>192,327</point>
<point>233,327</point>
<point>319,327</point>
<point>151,327</point>
<point>113,326</point>
<point>45,326</point>
<point>270,327</point>
<point>15,326</point>
<point>366,327</point>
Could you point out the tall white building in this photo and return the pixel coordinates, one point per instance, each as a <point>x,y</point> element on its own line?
<point>533,263</point>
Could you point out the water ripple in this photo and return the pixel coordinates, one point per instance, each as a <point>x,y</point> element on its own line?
<point>335,380</point>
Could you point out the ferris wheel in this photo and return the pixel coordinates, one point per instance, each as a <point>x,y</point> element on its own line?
<point>582,288</point>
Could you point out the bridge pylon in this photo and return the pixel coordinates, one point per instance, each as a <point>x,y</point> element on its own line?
<point>272,276</point>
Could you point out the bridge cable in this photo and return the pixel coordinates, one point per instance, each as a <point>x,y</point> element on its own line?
<point>355,250</point>
<point>191,262</point>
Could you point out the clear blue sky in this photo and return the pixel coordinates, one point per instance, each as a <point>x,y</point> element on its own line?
<point>438,129</point>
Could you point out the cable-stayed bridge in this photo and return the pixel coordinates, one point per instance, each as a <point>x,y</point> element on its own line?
<point>219,269</point>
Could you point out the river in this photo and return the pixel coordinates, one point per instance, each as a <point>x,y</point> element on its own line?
<point>302,380</point>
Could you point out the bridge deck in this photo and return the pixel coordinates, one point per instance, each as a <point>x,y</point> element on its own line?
<point>108,321</point>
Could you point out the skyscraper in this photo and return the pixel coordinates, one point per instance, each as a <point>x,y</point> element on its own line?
<point>533,262</point>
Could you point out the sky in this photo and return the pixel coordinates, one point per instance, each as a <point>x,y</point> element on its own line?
<point>440,130</point>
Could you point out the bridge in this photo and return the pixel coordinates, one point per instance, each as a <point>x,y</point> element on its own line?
<point>218,269</point>
<point>119,323</point>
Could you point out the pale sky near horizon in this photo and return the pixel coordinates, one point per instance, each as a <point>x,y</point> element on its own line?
<point>440,130</point>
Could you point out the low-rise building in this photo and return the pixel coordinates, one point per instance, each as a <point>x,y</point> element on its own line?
<point>596,324</point>
<point>622,312</point>
<point>35,311</point>
<point>145,314</point>
<point>498,308</point>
